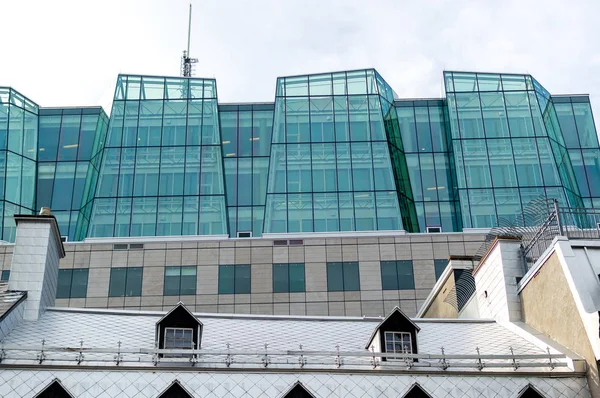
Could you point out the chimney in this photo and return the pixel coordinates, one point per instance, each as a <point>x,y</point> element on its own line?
<point>496,278</point>
<point>34,269</point>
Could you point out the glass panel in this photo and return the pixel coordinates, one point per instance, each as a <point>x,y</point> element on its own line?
<point>226,279</point>
<point>63,185</point>
<point>296,275</point>
<point>188,281</point>
<point>280,278</point>
<point>357,82</point>
<point>351,276</point>
<point>465,82</point>
<point>79,283</point>
<point>405,275</point>
<point>335,277</point>
<point>389,275</point>
<point>359,118</point>
<point>321,119</point>
<point>494,115</point>
<point>172,281</point>
<point>49,133</point>
<point>117,282</point>
<point>242,279</point>
<point>489,82</point>
<point>320,84</point>
<point>63,288</point>
<point>133,287</point>
<point>502,163</point>
<point>69,137</point>
<point>585,125</point>
<point>297,120</point>
<point>150,123</point>
<point>513,82</point>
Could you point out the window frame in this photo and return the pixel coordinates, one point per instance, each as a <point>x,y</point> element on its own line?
<point>343,280</point>
<point>235,286</point>
<point>72,273</point>
<point>127,276</point>
<point>180,267</point>
<point>288,284</point>
<point>394,342</point>
<point>166,329</point>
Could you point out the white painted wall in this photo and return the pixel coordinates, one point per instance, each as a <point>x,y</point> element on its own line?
<point>496,283</point>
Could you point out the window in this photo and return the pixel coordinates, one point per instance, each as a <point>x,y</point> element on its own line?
<point>434,230</point>
<point>179,338</point>
<point>440,266</point>
<point>343,277</point>
<point>234,279</point>
<point>180,281</point>
<point>5,275</point>
<point>397,275</point>
<point>244,234</point>
<point>72,283</point>
<point>398,343</point>
<point>125,282</point>
<point>288,278</point>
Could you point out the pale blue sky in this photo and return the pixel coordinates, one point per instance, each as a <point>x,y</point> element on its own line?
<point>69,52</point>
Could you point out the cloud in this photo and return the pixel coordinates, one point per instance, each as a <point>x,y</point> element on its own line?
<point>69,52</point>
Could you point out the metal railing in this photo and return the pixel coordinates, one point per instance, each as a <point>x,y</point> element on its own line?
<point>290,359</point>
<point>573,223</point>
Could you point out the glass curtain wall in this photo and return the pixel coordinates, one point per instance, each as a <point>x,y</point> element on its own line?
<point>65,147</point>
<point>427,144</point>
<point>576,121</point>
<point>161,170</point>
<point>246,146</point>
<point>18,155</point>
<point>504,154</point>
<point>330,167</point>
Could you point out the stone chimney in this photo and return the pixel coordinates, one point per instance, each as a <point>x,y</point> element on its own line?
<point>34,269</point>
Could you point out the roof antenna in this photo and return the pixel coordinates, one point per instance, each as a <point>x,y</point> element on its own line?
<point>186,61</point>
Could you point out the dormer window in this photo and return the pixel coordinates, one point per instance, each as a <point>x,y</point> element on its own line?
<point>396,334</point>
<point>179,338</point>
<point>178,330</point>
<point>398,342</point>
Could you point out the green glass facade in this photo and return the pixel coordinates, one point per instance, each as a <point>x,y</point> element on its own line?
<point>335,152</point>
<point>68,140</point>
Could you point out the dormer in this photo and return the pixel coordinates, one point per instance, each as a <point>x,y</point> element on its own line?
<point>175,390</point>
<point>54,390</point>
<point>416,391</point>
<point>298,391</point>
<point>178,329</point>
<point>530,391</point>
<point>396,334</point>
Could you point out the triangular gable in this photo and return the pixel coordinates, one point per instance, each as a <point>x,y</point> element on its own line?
<point>179,307</point>
<point>396,312</point>
<point>175,390</point>
<point>416,391</point>
<point>530,391</point>
<point>54,390</point>
<point>298,391</point>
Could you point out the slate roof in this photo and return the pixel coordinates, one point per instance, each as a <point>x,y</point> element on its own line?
<point>68,329</point>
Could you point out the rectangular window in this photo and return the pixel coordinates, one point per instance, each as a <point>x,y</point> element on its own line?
<point>398,343</point>
<point>179,338</point>
<point>288,278</point>
<point>234,279</point>
<point>5,275</point>
<point>343,276</point>
<point>397,275</point>
<point>180,281</point>
<point>72,283</point>
<point>440,266</point>
<point>125,282</point>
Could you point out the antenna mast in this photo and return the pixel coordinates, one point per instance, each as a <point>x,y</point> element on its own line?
<point>186,61</point>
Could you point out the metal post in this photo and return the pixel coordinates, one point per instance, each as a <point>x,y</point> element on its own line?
<point>557,215</point>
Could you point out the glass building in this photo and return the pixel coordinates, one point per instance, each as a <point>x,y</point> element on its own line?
<point>333,153</point>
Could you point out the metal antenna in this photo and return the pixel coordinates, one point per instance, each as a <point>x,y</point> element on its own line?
<point>186,61</point>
